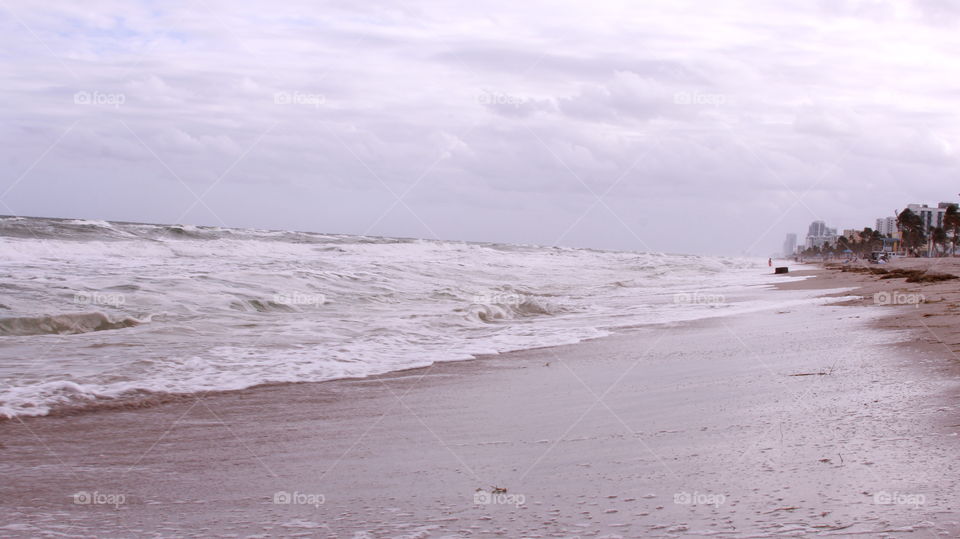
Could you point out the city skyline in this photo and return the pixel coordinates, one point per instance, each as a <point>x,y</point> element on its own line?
<point>820,234</point>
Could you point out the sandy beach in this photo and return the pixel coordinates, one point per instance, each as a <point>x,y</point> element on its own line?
<point>520,270</point>
<point>814,420</point>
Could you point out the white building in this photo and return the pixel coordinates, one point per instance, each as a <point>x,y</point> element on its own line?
<point>887,226</point>
<point>931,217</point>
<point>819,235</point>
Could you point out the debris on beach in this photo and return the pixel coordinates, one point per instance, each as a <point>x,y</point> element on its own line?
<point>911,275</point>
<point>791,508</point>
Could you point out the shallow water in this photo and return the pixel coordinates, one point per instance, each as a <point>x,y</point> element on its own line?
<point>92,311</point>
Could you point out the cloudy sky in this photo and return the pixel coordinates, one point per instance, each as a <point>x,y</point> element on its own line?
<point>703,127</point>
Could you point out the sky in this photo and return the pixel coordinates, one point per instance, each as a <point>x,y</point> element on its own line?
<point>675,126</point>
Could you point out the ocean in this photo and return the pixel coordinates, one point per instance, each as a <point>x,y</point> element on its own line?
<point>93,313</point>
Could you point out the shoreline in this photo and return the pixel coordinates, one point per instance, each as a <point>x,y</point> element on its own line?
<point>924,311</point>
<point>604,436</point>
<point>148,399</point>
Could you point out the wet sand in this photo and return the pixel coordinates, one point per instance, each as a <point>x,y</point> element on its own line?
<point>793,422</point>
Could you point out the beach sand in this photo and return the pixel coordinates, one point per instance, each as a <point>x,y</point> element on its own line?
<point>792,422</point>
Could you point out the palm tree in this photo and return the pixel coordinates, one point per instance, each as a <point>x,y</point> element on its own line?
<point>843,243</point>
<point>876,241</point>
<point>951,222</point>
<point>870,240</point>
<point>911,229</point>
<point>939,237</point>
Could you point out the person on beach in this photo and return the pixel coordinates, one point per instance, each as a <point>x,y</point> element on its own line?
<point>769,262</point>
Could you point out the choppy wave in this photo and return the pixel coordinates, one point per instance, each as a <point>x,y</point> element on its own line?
<point>62,324</point>
<point>105,314</point>
<point>512,307</point>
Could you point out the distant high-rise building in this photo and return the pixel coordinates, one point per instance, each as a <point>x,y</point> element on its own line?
<point>887,226</point>
<point>817,228</point>
<point>819,235</point>
<point>790,245</point>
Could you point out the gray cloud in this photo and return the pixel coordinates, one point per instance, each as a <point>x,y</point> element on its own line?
<point>707,128</point>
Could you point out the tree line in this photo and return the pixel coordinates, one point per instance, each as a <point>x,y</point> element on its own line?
<point>944,239</point>
<point>913,237</point>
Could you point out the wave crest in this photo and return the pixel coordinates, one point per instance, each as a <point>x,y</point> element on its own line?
<point>512,308</point>
<point>62,324</point>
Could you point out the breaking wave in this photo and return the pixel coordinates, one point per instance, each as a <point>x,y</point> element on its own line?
<point>143,312</point>
<point>62,324</point>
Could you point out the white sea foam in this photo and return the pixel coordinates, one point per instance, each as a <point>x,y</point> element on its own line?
<point>92,311</point>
